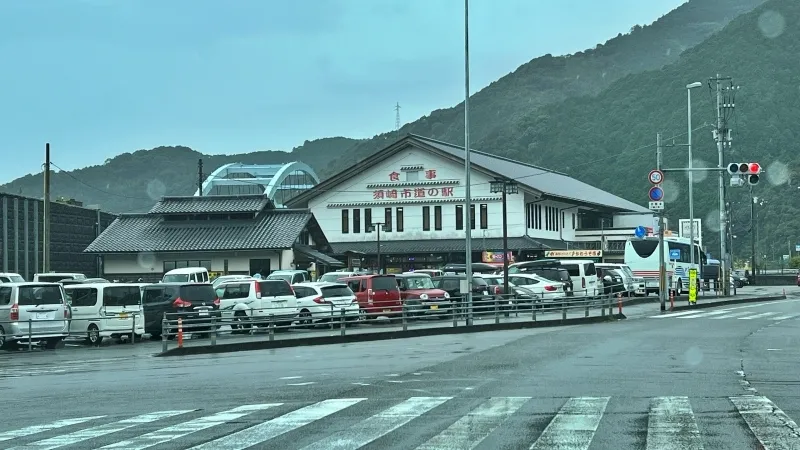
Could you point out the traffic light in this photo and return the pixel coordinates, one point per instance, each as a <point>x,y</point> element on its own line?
<point>749,171</point>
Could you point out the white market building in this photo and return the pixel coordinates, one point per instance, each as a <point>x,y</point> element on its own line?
<point>415,187</point>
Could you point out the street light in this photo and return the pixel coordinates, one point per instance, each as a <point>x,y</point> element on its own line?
<point>468,171</point>
<point>506,187</point>
<point>689,88</point>
<point>378,226</point>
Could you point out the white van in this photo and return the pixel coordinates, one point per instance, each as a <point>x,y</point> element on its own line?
<point>186,275</point>
<point>55,277</point>
<point>102,310</point>
<point>583,275</point>
<point>241,300</point>
<point>11,278</point>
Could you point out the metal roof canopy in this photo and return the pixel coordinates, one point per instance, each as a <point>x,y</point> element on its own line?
<point>271,176</point>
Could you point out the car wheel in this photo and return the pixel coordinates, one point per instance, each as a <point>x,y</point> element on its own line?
<point>304,319</point>
<point>53,343</point>
<point>3,343</point>
<point>93,336</point>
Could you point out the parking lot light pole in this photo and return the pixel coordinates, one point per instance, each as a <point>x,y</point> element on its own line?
<point>689,88</point>
<point>377,226</point>
<point>504,186</point>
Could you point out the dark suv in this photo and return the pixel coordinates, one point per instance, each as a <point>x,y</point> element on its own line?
<point>192,302</point>
<point>549,269</point>
<point>482,293</point>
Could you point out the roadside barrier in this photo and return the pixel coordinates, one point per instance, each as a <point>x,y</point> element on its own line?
<point>35,332</point>
<point>411,314</point>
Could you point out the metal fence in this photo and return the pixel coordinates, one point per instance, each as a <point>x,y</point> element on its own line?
<point>454,312</point>
<point>25,333</point>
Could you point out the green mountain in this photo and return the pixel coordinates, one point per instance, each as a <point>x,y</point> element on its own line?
<point>132,181</point>
<point>609,140</point>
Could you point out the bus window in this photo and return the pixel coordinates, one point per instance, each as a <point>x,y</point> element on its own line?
<point>644,248</point>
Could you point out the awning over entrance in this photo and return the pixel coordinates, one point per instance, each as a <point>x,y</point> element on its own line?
<point>389,247</point>
<point>317,256</point>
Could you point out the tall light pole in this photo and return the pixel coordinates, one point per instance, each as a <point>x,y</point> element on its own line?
<point>467,169</point>
<point>506,187</point>
<point>689,88</point>
<point>377,226</point>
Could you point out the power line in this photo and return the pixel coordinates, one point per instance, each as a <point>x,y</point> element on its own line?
<point>95,188</point>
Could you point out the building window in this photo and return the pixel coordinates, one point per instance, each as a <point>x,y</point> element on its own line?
<point>484,216</point>
<point>563,214</point>
<point>537,217</point>
<point>345,221</point>
<point>472,216</point>
<point>459,217</point>
<point>426,218</point>
<point>356,221</point>
<point>387,219</point>
<point>437,218</point>
<point>573,221</point>
<point>368,220</point>
<point>182,264</point>
<point>399,219</point>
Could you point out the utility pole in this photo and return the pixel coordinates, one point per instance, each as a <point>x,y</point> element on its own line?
<point>46,212</point>
<point>721,136</point>
<point>377,226</point>
<point>753,236</point>
<point>200,177</point>
<point>467,290</point>
<point>662,270</point>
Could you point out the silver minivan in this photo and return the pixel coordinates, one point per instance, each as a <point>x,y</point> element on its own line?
<point>38,310</point>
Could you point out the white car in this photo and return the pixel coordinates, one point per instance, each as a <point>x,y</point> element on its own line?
<point>248,302</point>
<point>542,291</point>
<point>323,302</point>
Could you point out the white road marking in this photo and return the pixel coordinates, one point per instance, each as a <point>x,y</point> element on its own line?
<point>706,314</point>
<point>182,429</point>
<point>27,431</point>
<point>272,428</point>
<point>301,384</point>
<point>378,425</point>
<point>732,315</point>
<point>771,426</point>
<point>361,384</point>
<point>574,426</point>
<point>677,314</point>
<point>672,425</point>
<point>757,316</point>
<point>102,430</point>
<point>290,378</point>
<point>470,430</point>
<point>786,317</point>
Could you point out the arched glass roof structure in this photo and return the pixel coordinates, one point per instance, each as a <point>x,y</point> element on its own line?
<point>279,182</point>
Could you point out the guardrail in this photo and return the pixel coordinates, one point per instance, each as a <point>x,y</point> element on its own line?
<point>24,331</point>
<point>454,312</point>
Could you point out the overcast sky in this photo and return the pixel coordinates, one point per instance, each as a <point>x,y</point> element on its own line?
<point>97,78</point>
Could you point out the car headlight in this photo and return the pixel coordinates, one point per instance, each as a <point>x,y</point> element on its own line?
<point>446,295</point>
<point>423,296</point>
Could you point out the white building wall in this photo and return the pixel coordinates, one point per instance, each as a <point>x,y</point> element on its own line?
<point>327,207</point>
<point>154,262</point>
<point>535,219</point>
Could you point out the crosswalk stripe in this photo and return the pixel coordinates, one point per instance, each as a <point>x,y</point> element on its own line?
<point>28,431</point>
<point>732,315</point>
<point>786,317</point>
<point>279,425</point>
<point>574,426</point>
<point>672,426</point>
<point>757,316</point>
<point>706,314</point>
<point>771,426</point>
<point>182,429</point>
<point>102,430</point>
<point>378,425</point>
<point>670,315</point>
<point>470,430</point>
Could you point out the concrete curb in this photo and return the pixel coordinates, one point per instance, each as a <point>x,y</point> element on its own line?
<point>734,301</point>
<point>380,336</point>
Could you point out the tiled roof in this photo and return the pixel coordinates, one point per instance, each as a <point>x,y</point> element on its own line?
<point>548,182</point>
<point>318,256</point>
<point>543,180</point>
<point>211,204</point>
<point>444,245</point>
<point>135,233</point>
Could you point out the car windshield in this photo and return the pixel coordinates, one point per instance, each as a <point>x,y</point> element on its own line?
<point>287,277</point>
<point>332,277</point>
<point>176,278</point>
<point>416,282</point>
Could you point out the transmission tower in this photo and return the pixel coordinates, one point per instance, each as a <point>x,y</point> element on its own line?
<point>397,117</point>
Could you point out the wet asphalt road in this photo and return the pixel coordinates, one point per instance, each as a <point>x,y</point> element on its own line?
<point>722,378</point>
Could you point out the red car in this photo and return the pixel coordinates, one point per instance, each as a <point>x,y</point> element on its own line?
<point>417,290</point>
<point>377,295</point>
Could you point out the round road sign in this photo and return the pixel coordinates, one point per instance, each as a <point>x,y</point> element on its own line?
<point>656,177</point>
<point>656,194</point>
<point>640,232</point>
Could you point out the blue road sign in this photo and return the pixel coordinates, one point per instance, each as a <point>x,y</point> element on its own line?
<point>640,232</point>
<point>656,194</point>
<point>674,253</point>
